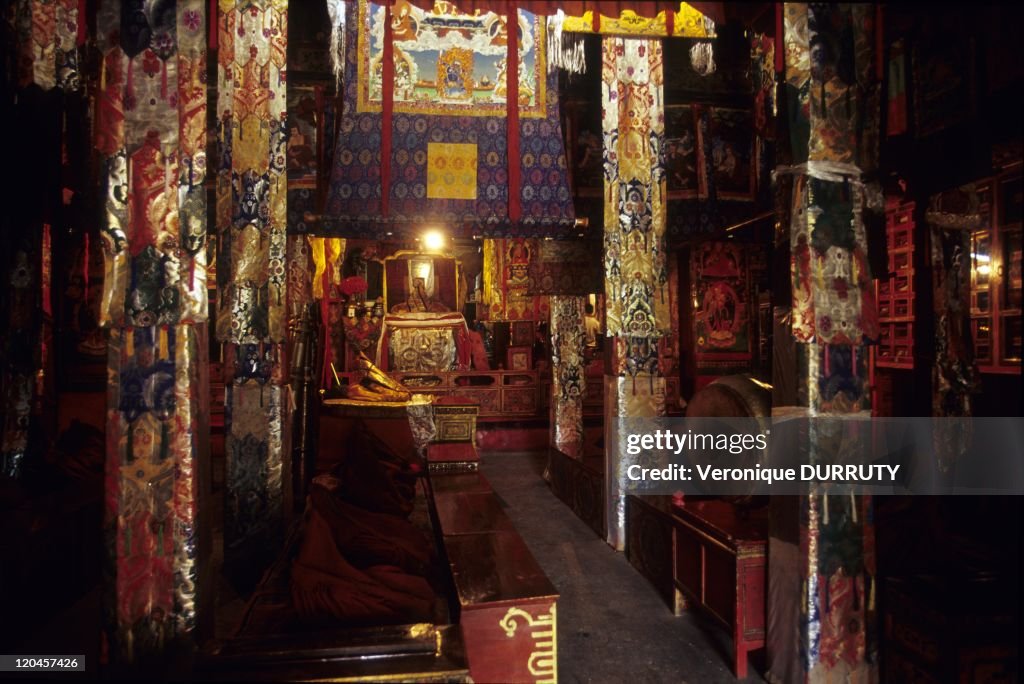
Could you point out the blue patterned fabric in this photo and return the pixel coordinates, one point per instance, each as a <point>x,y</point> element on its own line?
<point>355,189</point>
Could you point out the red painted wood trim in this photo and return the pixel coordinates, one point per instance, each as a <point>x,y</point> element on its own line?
<point>515,210</point>
<point>387,108</point>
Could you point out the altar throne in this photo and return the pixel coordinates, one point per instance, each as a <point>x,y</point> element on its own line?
<point>423,329</point>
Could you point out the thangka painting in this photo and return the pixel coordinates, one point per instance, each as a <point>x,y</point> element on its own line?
<point>732,151</point>
<point>438,150</point>
<point>943,89</point>
<point>506,281</point>
<point>302,138</point>
<point>682,154</point>
<point>447,62</point>
<point>721,316</point>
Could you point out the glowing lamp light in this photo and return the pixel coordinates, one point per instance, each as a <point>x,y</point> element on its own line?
<point>433,240</point>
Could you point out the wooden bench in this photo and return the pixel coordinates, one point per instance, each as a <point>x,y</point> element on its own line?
<point>704,555</point>
<point>506,605</point>
<point>721,567</point>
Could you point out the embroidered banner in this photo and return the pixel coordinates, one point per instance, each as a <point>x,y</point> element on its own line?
<point>151,130</point>
<point>48,33</point>
<point>255,434</point>
<point>634,188</point>
<point>833,297</point>
<point>251,182</point>
<point>470,112</point>
<point>157,420</point>
<point>844,98</point>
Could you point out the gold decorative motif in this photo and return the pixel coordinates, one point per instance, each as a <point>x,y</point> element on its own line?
<point>451,171</point>
<point>688,22</point>
<point>543,660</point>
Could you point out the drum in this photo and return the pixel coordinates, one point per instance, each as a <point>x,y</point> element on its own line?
<point>740,396</point>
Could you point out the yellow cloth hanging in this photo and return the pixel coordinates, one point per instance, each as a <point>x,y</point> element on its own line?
<point>317,248</point>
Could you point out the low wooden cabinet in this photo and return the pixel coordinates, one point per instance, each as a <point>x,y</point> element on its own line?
<point>720,567</point>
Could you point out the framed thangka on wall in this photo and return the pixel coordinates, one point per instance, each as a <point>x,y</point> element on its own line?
<point>721,317</point>
<point>733,155</point>
<point>683,156</point>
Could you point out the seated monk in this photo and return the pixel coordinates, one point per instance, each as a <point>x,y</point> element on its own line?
<point>419,300</point>
<point>325,586</point>
<point>367,538</point>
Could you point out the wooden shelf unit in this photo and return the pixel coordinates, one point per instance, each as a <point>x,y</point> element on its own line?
<point>895,291</point>
<point>996,275</point>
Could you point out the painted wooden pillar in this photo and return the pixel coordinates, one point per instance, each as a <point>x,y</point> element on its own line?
<point>568,386</point>
<point>822,587</point>
<point>252,277</point>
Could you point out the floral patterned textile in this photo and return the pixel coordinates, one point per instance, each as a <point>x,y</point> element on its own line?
<point>568,387</point>
<point>356,188</point>
<point>506,283</point>
<point>255,417</point>
<point>251,183</point>
<point>844,99</point>
<point>951,216</point>
<point>157,409</point>
<point>151,130</point>
<point>636,274</point>
<point>48,33</point>
<point>833,297</point>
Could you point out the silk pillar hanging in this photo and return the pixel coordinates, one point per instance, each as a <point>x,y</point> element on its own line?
<point>251,182</point>
<point>636,274</point>
<point>157,407</point>
<point>151,133</point>
<point>252,278</point>
<point>832,118</point>
<point>568,385</point>
<point>48,34</point>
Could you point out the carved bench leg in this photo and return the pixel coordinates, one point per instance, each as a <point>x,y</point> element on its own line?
<point>740,661</point>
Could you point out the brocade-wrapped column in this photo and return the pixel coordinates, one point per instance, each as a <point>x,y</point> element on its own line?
<point>821,602</point>
<point>151,133</point>
<point>252,278</point>
<point>636,272</point>
<point>568,377</point>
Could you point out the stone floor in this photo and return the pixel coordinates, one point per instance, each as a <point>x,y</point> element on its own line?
<point>612,625</point>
